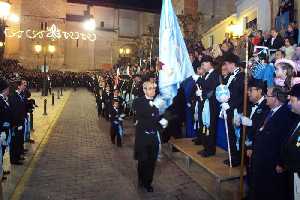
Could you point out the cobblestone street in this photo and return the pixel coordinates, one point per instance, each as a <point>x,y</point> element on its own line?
<point>79,162</point>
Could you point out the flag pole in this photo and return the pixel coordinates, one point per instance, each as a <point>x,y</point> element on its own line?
<point>244,127</point>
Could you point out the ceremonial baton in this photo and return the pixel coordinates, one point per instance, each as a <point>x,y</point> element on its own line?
<point>244,127</point>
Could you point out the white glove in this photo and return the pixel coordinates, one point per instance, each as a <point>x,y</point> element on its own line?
<point>199,93</point>
<point>237,120</point>
<point>3,136</point>
<point>120,118</point>
<point>195,77</point>
<point>122,115</point>
<point>103,105</point>
<point>151,103</point>
<point>225,106</point>
<point>163,122</point>
<point>246,121</point>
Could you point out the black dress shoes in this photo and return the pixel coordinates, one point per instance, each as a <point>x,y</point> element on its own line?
<point>206,154</point>
<point>6,172</point>
<point>149,189</point>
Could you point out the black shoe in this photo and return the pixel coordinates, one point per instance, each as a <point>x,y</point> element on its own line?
<point>197,142</point>
<point>6,172</point>
<point>4,178</point>
<point>206,154</point>
<point>140,183</point>
<point>149,189</point>
<point>234,162</point>
<point>17,163</point>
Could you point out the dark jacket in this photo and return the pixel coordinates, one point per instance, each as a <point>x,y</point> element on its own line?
<point>277,44</point>
<point>258,118</point>
<point>5,114</point>
<point>147,128</point>
<point>18,108</point>
<point>236,89</point>
<point>267,183</point>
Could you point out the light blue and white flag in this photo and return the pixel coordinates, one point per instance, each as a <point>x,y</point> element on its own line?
<point>176,65</point>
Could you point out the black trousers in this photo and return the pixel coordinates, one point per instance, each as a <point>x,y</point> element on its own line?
<point>209,136</point>
<point>146,171</point>
<point>114,133</point>
<point>17,145</point>
<point>235,153</point>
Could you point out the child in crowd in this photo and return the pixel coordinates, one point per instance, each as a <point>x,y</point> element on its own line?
<point>116,118</point>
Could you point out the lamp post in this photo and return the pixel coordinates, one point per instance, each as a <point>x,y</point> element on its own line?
<point>38,48</point>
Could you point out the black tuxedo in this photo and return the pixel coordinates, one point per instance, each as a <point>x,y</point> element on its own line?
<point>269,140</point>
<point>116,124</point>
<point>19,113</point>
<point>197,104</point>
<point>236,88</point>
<point>146,145</point>
<point>257,118</point>
<point>5,117</point>
<point>211,81</point>
<point>277,43</point>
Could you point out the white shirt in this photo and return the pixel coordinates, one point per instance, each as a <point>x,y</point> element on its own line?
<point>275,109</point>
<point>253,109</point>
<point>272,40</point>
<point>209,72</point>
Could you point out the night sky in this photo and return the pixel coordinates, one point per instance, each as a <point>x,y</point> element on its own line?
<point>150,5</point>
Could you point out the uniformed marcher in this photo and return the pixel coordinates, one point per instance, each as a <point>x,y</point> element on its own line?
<point>146,147</point>
<point>209,107</point>
<point>19,112</point>
<point>116,118</point>
<point>256,114</point>
<point>235,84</point>
<point>291,150</point>
<point>197,103</point>
<point>5,122</point>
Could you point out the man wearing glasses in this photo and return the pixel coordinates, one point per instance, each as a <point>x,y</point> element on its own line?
<point>256,114</point>
<point>269,179</point>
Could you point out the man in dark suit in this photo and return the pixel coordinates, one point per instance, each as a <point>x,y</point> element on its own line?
<point>210,82</point>
<point>235,84</point>
<point>291,150</point>
<point>5,120</point>
<point>19,112</point>
<point>276,41</point>
<point>269,180</point>
<point>256,114</point>
<point>147,140</point>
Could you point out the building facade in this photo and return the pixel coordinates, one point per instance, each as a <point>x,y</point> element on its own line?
<point>115,28</point>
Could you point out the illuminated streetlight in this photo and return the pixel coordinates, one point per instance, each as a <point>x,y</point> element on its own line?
<point>51,48</point>
<point>38,48</point>
<point>4,9</point>
<point>14,18</point>
<point>127,51</point>
<point>90,24</point>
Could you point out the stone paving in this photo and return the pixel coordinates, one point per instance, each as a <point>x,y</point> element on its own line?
<point>42,123</point>
<point>79,162</point>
